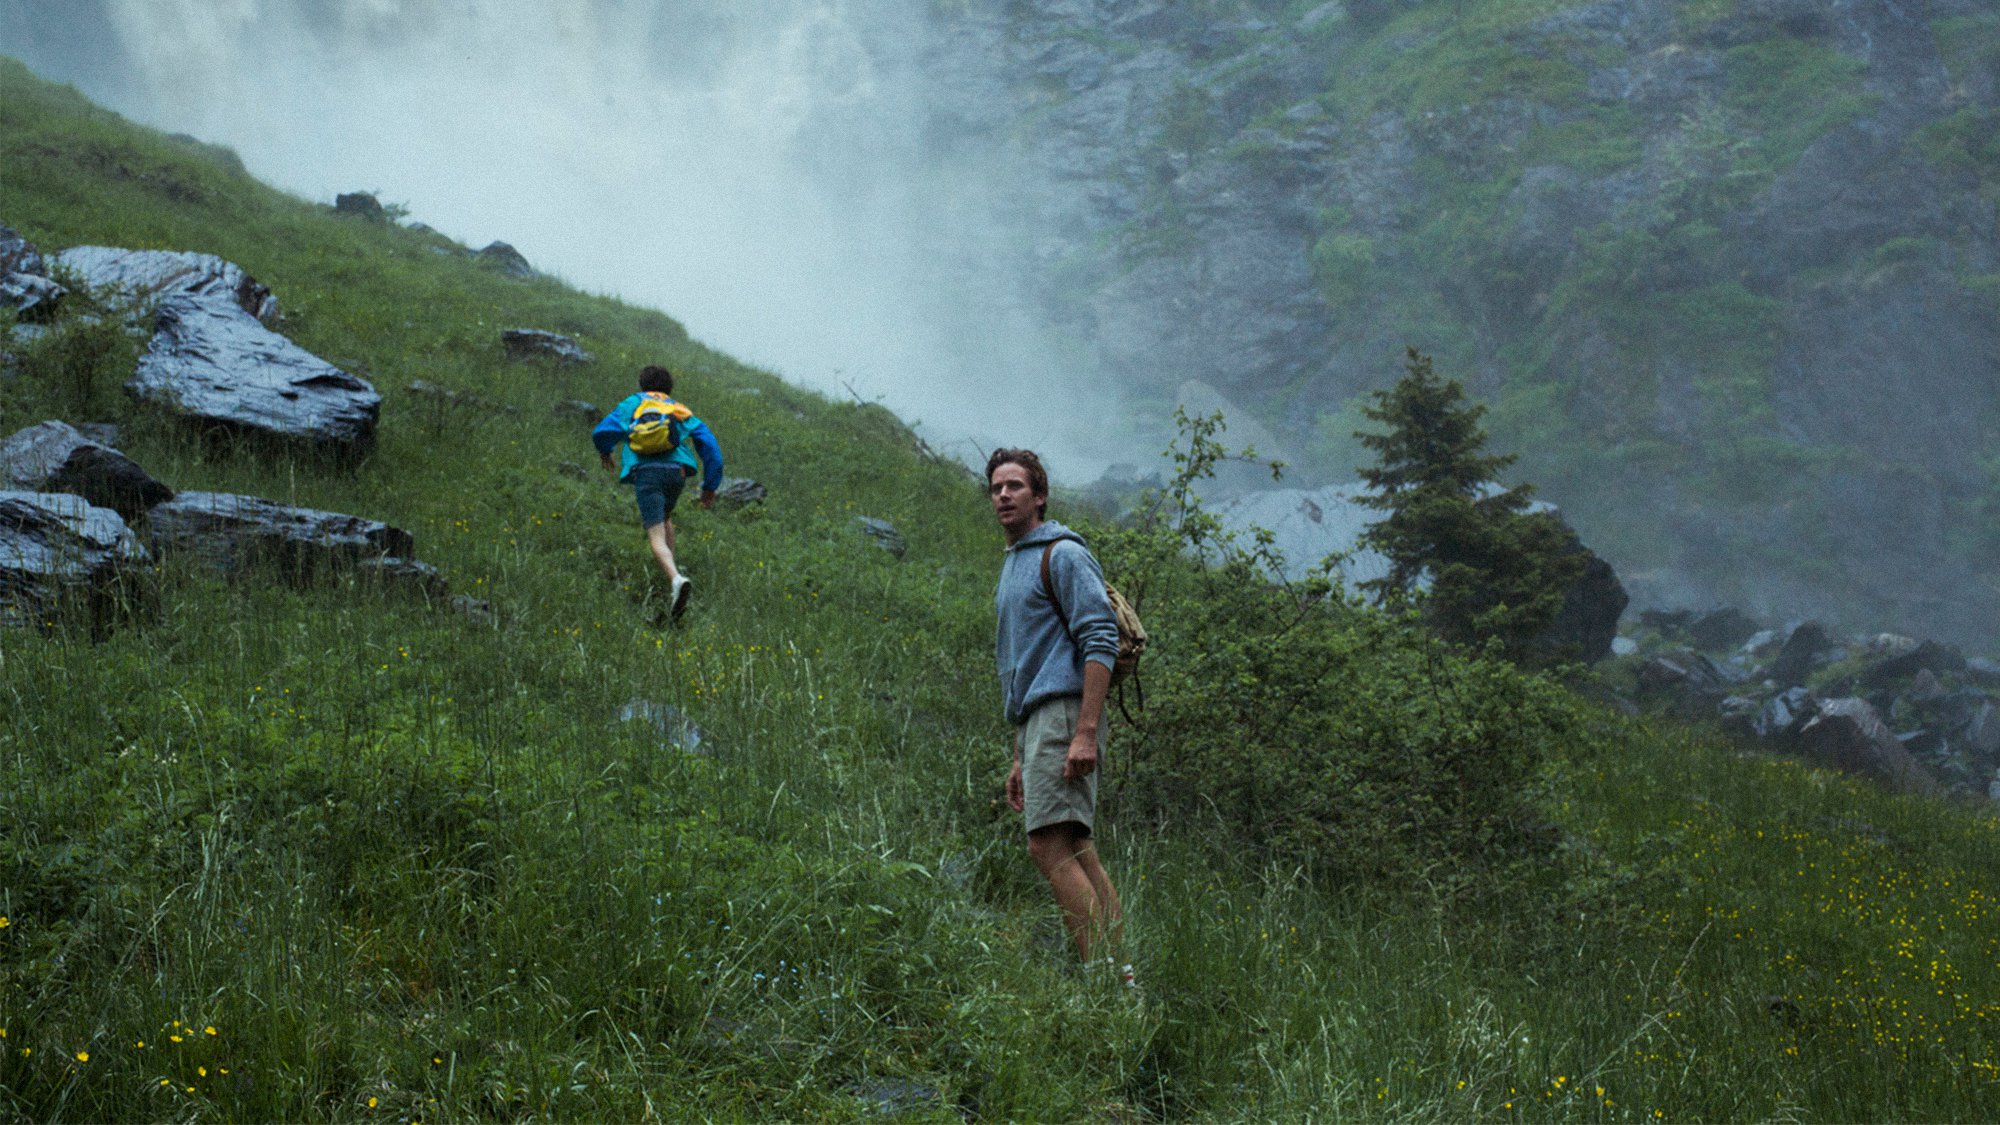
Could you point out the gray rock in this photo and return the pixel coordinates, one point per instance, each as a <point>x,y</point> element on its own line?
<point>58,551</point>
<point>479,611</point>
<point>578,409</point>
<point>1783,714</point>
<point>146,276</point>
<point>1738,714</point>
<point>1800,652</point>
<point>1760,643</point>
<point>1849,735</point>
<point>55,457</point>
<point>675,728</point>
<point>360,204</point>
<point>533,343</point>
<point>1722,629</point>
<point>103,433</point>
<point>1623,646</point>
<point>231,534</point>
<point>883,533</point>
<point>506,259</point>
<point>1927,656</point>
<point>215,364</point>
<point>740,492</point>
<point>895,1097</point>
<point>25,284</point>
<point>1993,787</point>
<point>406,574</point>
<point>1984,672</point>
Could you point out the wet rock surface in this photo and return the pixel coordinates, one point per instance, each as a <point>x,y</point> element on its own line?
<point>54,456</point>
<point>145,276</point>
<point>215,364</point>
<point>232,534</point>
<point>883,533</point>
<point>25,284</point>
<point>58,551</point>
<point>533,343</point>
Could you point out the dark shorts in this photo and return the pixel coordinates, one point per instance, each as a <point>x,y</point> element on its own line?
<point>658,489</point>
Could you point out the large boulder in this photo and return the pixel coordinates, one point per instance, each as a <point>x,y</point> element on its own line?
<point>57,457</point>
<point>58,550</point>
<point>229,534</point>
<point>216,364</point>
<point>1591,606</point>
<point>143,276</point>
<point>1849,735</point>
<point>25,284</point>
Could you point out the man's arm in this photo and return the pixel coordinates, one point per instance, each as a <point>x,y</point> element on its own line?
<point>1082,758</point>
<point>706,448</point>
<point>607,436</point>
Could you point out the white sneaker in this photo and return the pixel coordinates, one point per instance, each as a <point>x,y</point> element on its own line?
<point>681,588</point>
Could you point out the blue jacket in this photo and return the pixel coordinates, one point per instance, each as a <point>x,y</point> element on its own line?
<point>695,439</point>
<point>1037,659</point>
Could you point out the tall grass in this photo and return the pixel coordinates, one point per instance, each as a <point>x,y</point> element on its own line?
<point>338,853</point>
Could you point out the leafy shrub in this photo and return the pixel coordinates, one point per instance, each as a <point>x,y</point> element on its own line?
<point>1313,731</point>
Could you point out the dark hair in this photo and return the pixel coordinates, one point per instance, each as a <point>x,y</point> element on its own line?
<point>1038,477</point>
<point>656,378</point>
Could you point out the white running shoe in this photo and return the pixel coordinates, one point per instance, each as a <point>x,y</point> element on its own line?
<point>681,588</point>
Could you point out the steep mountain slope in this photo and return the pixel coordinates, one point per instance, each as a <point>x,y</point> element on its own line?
<point>330,850</point>
<point>1727,268</point>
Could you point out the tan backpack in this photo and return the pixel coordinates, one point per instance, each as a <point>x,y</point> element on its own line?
<point>1131,633</point>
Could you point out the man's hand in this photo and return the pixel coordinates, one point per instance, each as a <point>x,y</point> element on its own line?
<point>605,460</point>
<point>1016,799</point>
<point>707,498</point>
<point>1082,758</point>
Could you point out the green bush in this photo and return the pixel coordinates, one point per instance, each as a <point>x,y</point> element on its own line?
<point>1310,731</point>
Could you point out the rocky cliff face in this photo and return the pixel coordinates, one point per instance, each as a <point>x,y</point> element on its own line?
<point>1728,269</point>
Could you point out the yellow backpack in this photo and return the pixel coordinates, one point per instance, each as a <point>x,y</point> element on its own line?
<point>656,424</point>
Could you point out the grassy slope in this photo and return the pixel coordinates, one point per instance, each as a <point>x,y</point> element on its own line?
<point>409,867</point>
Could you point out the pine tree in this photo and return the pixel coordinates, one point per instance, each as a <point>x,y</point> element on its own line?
<point>1493,567</point>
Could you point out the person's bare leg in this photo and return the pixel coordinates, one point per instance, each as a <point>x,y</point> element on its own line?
<point>1107,896</point>
<point>660,537</point>
<point>1054,850</point>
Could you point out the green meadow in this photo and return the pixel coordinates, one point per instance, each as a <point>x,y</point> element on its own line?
<point>340,853</point>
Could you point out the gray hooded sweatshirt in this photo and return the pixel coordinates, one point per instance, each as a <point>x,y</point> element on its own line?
<point>1037,659</point>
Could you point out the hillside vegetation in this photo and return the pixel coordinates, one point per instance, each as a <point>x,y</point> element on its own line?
<point>1724,268</point>
<point>334,852</point>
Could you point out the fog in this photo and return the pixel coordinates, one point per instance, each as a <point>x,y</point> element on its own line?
<point>762,170</point>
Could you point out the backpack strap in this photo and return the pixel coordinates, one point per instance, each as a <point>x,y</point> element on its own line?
<point>1049,590</point>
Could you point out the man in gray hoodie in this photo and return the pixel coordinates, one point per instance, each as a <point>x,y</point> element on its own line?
<point>1055,645</point>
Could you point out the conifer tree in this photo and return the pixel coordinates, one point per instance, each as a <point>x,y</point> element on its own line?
<point>1493,567</point>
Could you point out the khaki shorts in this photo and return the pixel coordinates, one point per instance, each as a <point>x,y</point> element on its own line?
<point>1043,744</point>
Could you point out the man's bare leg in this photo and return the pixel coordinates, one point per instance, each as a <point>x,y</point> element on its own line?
<point>660,537</point>
<point>1060,851</point>
<point>1107,896</point>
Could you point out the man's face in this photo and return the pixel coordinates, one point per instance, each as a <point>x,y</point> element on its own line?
<point>1014,500</point>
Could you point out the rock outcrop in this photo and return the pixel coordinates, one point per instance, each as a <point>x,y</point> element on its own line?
<point>59,553</point>
<point>148,276</point>
<point>57,457</point>
<point>215,364</point>
<point>534,343</point>
<point>231,534</point>
<point>25,284</point>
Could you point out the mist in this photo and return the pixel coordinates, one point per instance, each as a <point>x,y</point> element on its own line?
<point>763,171</point>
